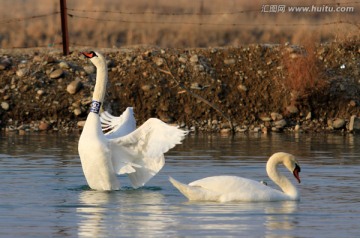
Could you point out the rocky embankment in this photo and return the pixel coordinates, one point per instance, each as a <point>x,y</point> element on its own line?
<point>242,89</point>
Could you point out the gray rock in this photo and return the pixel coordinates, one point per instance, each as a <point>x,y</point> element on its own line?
<point>338,123</point>
<point>146,87</point>
<point>308,116</point>
<point>195,85</point>
<point>57,73</point>
<point>5,63</point>
<point>225,131</point>
<point>64,65</point>
<point>183,59</point>
<point>43,126</point>
<point>354,124</point>
<point>194,59</point>
<point>242,87</point>
<point>229,61</point>
<point>40,92</point>
<point>5,106</point>
<point>352,103</point>
<point>292,109</point>
<point>276,116</point>
<point>81,123</point>
<point>77,111</point>
<point>275,129</point>
<point>213,50</point>
<point>265,118</point>
<point>159,61</point>
<point>21,72</point>
<point>89,69</point>
<point>198,68</point>
<point>38,59</point>
<point>280,123</point>
<point>74,86</point>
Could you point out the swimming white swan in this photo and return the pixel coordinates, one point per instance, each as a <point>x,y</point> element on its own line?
<point>232,188</point>
<point>139,153</point>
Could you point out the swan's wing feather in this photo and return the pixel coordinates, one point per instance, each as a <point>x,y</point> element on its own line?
<point>153,138</point>
<point>233,188</point>
<point>224,184</point>
<point>146,147</point>
<point>118,126</point>
<point>195,193</point>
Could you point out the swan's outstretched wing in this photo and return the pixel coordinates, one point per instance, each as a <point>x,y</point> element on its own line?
<point>141,153</point>
<point>118,126</point>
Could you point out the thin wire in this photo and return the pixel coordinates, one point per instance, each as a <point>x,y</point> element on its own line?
<point>5,21</point>
<point>215,24</point>
<point>161,13</point>
<point>195,13</point>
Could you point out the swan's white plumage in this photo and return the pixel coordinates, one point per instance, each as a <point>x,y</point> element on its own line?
<point>124,150</point>
<point>233,188</point>
<point>118,126</point>
<point>144,149</point>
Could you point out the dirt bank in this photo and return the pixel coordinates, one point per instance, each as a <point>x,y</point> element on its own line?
<point>259,88</point>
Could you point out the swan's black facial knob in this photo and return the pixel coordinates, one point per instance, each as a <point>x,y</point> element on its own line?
<point>296,172</point>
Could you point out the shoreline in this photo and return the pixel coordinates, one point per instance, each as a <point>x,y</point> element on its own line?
<point>211,90</point>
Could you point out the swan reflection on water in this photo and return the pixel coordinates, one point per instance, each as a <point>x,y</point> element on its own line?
<point>240,216</point>
<point>149,212</point>
<point>121,212</point>
<point>280,218</point>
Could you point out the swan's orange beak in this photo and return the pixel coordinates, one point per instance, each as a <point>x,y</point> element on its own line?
<point>296,172</point>
<point>89,54</point>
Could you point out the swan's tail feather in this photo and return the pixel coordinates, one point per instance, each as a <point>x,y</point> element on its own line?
<point>191,192</point>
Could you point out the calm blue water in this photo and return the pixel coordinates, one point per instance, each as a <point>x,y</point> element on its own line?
<point>43,192</point>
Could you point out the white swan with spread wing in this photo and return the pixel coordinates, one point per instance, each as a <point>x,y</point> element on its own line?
<point>138,153</point>
<point>232,188</point>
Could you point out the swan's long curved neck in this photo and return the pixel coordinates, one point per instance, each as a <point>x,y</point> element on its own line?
<point>278,178</point>
<point>100,89</point>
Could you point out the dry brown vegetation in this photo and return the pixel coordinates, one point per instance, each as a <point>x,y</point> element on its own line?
<point>181,23</point>
<point>303,74</point>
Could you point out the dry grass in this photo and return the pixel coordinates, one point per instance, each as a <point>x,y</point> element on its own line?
<point>303,75</point>
<point>181,30</point>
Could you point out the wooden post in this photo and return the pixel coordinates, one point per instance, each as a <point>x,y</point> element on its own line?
<point>64,27</point>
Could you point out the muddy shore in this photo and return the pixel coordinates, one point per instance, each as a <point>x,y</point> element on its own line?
<point>243,89</point>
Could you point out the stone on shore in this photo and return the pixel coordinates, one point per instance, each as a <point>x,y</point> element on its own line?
<point>338,123</point>
<point>354,124</point>
<point>5,106</point>
<point>292,109</point>
<point>245,83</point>
<point>74,86</point>
<point>43,126</point>
<point>57,73</point>
<point>89,69</point>
<point>280,123</point>
<point>194,59</point>
<point>276,116</point>
<point>81,123</point>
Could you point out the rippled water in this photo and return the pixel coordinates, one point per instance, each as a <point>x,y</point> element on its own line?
<point>43,191</point>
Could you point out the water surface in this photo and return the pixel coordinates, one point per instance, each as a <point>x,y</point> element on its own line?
<point>43,191</point>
